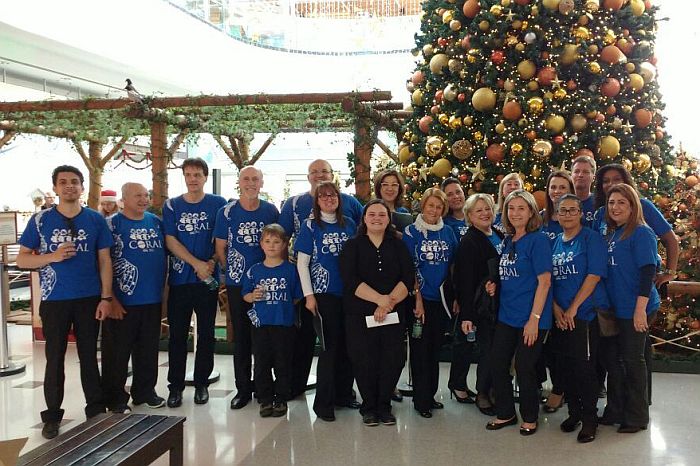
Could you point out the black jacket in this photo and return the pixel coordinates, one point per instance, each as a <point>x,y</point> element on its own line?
<point>471,268</point>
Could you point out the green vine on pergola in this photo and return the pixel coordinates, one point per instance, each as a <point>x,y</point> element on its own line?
<point>99,122</point>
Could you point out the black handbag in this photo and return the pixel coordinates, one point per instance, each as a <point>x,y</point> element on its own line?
<point>486,306</point>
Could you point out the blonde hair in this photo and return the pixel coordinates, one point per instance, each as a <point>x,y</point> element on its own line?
<point>535,222</point>
<point>435,192</point>
<point>636,214</point>
<point>507,178</point>
<point>471,203</point>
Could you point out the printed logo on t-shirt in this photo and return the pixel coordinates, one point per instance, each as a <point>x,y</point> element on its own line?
<point>551,235</point>
<point>193,222</point>
<point>563,266</point>
<point>333,242</point>
<point>249,233</point>
<point>507,267</point>
<point>63,235</point>
<point>434,251</point>
<point>235,260</point>
<point>611,250</point>
<point>275,289</point>
<point>463,230</point>
<point>145,239</point>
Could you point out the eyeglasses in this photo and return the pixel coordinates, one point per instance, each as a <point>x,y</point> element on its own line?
<point>390,185</point>
<point>571,212</point>
<point>320,172</point>
<point>327,195</point>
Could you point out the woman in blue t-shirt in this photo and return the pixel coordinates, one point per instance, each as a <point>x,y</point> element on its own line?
<point>318,246</point>
<point>524,312</point>
<point>455,217</point>
<point>432,245</point>
<point>579,259</point>
<point>558,183</point>
<point>630,284</point>
<point>388,186</point>
<point>508,184</point>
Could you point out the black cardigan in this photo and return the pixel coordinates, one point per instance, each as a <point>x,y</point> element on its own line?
<point>470,269</point>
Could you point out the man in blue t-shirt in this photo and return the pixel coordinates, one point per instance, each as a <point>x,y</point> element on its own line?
<point>295,210</point>
<point>583,174</point>
<point>69,245</point>
<point>189,227</point>
<point>139,269</point>
<point>238,227</point>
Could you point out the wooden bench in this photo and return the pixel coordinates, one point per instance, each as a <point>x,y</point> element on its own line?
<point>111,439</point>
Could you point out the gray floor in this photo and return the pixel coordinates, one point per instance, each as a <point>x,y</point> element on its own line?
<point>216,435</point>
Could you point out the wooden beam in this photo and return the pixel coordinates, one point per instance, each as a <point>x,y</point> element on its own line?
<point>365,136</point>
<point>7,137</point>
<point>366,111</point>
<point>195,101</point>
<point>159,166</point>
<point>387,106</point>
<point>388,151</point>
<point>684,288</point>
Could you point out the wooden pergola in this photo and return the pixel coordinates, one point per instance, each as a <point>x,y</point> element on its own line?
<point>98,128</point>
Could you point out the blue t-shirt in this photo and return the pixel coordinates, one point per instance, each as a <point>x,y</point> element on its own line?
<point>298,208</point>
<point>324,244</point>
<point>652,217</point>
<point>573,260</point>
<point>79,276</point>
<point>625,258</point>
<point>138,259</point>
<point>521,262</point>
<point>588,207</point>
<point>498,223</point>
<point>550,228</point>
<point>402,210</point>
<point>496,241</point>
<point>431,256</point>
<point>193,226</point>
<point>459,226</point>
<point>282,289</point>
<point>241,229</point>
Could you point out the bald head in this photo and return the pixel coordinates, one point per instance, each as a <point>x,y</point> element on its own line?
<point>319,170</point>
<point>250,180</point>
<point>135,199</point>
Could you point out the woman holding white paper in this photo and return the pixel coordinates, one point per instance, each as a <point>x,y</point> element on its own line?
<point>432,245</point>
<point>377,273</point>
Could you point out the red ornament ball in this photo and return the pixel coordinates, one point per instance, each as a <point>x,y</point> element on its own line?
<point>471,8</point>
<point>435,109</point>
<point>438,96</point>
<point>584,151</point>
<point>498,57</point>
<point>461,97</point>
<point>425,123</point>
<point>495,152</point>
<point>610,88</point>
<point>600,117</point>
<point>571,85</point>
<point>558,139</point>
<point>644,185</point>
<point>463,178</point>
<point>546,75</point>
<point>442,41</point>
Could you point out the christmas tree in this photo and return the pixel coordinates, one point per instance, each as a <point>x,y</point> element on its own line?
<point>527,85</point>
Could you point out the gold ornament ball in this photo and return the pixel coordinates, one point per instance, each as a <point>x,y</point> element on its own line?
<point>455,65</point>
<point>560,94</point>
<point>629,67</point>
<point>484,26</point>
<point>636,82</point>
<point>420,160</point>
<point>434,146</point>
<point>462,149</point>
<point>416,195</point>
<point>593,67</point>
<point>500,128</point>
<point>484,99</point>
<point>516,24</point>
<point>582,32</point>
<point>505,3</point>
<point>536,171</point>
<point>643,163</point>
<point>496,10</point>
<point>526,69</point>
<point>478,136</point>
<point>455,25</point>
<point>455,122</point>
<point>551,5</point>
<point>566,6</point>
<point>535,105</point>
<point>428,50</point>
<point>441,168</point>
<point>592,49</point>
<point>533,85</point>
<point>448,16</point>
<point>609,147</point>
<point>534,11</point>
<point>578,122</point>
<point>467,120</point>
<point>528,186</point>
<point>508,85</point>
<point>542,149</point>
<point>637,7</point>
<point>438,63</point>
<point>592,5</point>
<point>443,119</point>
<point>691,181</point>
<point>548,95</point>
<point>627,163</point>
<point>417,97</point>
<point>555,123</point>
<point>522,122</point>
<point>609,37</point>
<point>520,47</point>
<point>516,148</point>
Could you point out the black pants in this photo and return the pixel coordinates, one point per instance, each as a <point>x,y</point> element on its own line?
<point>57,317</point>
<point>508,342</point>
<point>272,346</point>
<point>182,300</point>
<point>628,401</point>
<point>242,341</point>
<point>333,370</point>
<point>425,356</point>
<point>580,357</point>
<point>135,336</point>
<point>553,358</point>
<point>377,356</point>
<point>303,352</point>
<point>462,351</point>
<point>484,370</point>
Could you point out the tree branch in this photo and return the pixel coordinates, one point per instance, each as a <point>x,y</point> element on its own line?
<point>387,151</point>
<point>262,149</point>
<point>179,139</point>
<point>6,137</point>
<point>113,151</point>
<point>81,151</point>
<point>228,150</point>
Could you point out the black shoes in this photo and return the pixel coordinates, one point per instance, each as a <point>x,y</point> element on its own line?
<point>175,399</point>
<point>587,433</point>
<point>279,409</point>
<point>370,420</point>
<point>352,404</point>
<point>466,399</point>
<point>607,421</point>
<point>525,431</point>
<point>493,425</point>
<point>397,396</point>
<point>484,404</point>
<point>120,409</point>
<point>50,429</point>
<point>552,405</point>
<point>239,401</point>
<point>569,425</point>
<point>266,410</point>
<point>330,418</point>
<point>437,405</point>
<point>426,414</point>
<point>387,419</point>
<point>625,429</point>
<point>154,402</point>
<point>201,395</point>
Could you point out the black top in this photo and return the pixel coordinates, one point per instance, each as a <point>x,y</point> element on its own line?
<point>471,268</point>
<point>380,268</point>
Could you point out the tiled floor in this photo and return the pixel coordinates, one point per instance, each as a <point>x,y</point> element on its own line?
<point>216,435</point>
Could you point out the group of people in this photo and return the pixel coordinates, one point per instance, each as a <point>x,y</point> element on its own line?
<point>362,279</point>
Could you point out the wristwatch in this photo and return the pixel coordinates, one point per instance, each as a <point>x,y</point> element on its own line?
<point>109,299</point>
<point>670,272</point>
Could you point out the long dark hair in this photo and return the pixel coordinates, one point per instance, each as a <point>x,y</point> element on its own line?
<point>600,198</point>
<point>326,186</point>
<point>379,179</point>
<point>390,229</point>
<point>636,215</point>
<point>549,205</point>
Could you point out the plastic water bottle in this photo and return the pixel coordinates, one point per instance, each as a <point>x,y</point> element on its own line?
<point>471,335</point>
<point>417,329</point>
<point>211,282</point>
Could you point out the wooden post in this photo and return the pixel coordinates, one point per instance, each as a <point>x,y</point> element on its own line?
<point>159,166</point>
<point>687,288</point>
<point>95,170</point>
<point>364,143</point>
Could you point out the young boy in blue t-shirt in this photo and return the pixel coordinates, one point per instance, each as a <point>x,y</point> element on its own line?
<point>272,286</point>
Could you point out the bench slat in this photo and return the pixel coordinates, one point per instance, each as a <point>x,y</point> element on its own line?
<point>150,446</point>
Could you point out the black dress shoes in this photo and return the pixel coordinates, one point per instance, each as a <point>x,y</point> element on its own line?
<point>587,433</point>
<point>569,424</point>
<point>240,401</point>
<point>352,404</point>
<point>437,405</point>
<point>493,425</point>
<point>50,429</point>
<point>175,399</point>
<point>625,429</point>
<point>201,395</point>
<point>397,396</point>
<point>525,431</point>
